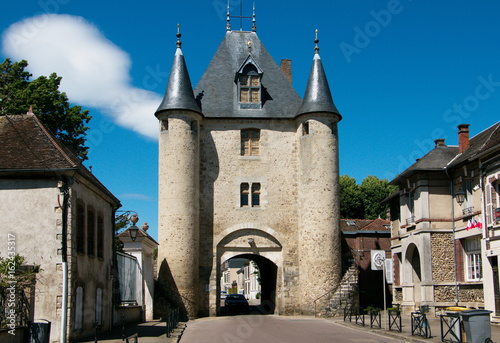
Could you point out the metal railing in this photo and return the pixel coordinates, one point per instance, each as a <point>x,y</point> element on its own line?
<point>346,280</point>
<point>410,220</point>
<point>451,328</point>
<point>419,323</point>
<point>172,320</point>
<point>394,320</point>
<point>468,211</point>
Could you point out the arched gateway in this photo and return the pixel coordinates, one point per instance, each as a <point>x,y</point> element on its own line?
<point>247,168</point>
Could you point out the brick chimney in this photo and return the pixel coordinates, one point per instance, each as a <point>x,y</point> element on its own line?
<point>439,142</point>
<point>463,137</point>
<point>286,69</point>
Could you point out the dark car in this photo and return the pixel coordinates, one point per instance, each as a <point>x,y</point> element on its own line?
<point>236,302</point>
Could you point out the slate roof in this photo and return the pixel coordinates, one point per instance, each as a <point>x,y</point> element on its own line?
<point>443,157</point>
<point>480,144</point>
<point>28,147</point>
<point>317,97</point>
<point>216,91</point>
<point>179,92</point>
<point>365,225</point>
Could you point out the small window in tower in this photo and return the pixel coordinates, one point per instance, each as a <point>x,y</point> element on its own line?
<point>305,128</point>
<point>255,194</point>
<point>164,125</point>
<point>244,194</point>
<point>250,142</point>
<point>250,194</point>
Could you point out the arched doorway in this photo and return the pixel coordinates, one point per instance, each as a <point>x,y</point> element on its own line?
<point>263,247</point>
<point>265,301</point>
<point>415,272</point>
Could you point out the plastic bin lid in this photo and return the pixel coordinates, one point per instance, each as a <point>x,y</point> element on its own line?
<point>470,313</point>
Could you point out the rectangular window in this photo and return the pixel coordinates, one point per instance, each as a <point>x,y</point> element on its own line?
<point>100,237</point>
<point>80,229</point>
<point>250,195</point>
<point>90,233</point>
<point>255,194</point>
<point>472,248</point>
<point>244,192</point>
<point>250,88</point>
<point>250,142</point>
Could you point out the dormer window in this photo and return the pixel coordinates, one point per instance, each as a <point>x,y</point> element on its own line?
<point>250,88</point>
<point>248,79</point>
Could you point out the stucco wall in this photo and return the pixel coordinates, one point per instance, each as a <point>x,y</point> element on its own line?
<point>31,211</point>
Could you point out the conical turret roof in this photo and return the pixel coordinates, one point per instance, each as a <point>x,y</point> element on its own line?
<point>179,92</point>
<point>317,97</point>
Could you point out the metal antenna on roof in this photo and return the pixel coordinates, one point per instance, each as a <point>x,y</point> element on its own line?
<point>254,25</point>
<point>178,35</point>
<point>228,26</point>
<point>228,18</point>
<point>316,41</point>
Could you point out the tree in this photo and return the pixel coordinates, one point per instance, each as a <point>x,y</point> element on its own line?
<point>373,191</point>
<point>351,199</point>
<point>18,93</point>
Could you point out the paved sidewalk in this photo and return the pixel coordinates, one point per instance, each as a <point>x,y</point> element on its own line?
<point>405,335</point>
<point>154,331</point>
<point>148,332</point>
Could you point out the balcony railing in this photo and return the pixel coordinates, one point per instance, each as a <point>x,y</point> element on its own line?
<point>410,220</point>
<point>468,211</point>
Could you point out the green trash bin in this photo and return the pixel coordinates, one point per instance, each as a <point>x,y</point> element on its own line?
<point>477,325</point>
<point>39,332</point>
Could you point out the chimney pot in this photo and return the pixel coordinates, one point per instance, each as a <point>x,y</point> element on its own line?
<point>463,137</point>
<point>439,142</point>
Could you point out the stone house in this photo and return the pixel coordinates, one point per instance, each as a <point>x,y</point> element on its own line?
<point>438,224</point>
<point>248,169</point>
<point>61,218</point>
<point>359,238</point>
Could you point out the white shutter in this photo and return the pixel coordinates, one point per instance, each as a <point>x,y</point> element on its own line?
<point>489,205</point>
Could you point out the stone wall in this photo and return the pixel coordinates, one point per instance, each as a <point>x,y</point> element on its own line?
<point>442,257</point>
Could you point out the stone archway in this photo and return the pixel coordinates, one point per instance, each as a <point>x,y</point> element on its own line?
<point>266,251</point>
<point>414,276</point>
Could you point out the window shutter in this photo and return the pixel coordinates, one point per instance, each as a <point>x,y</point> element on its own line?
<point>489,205</point>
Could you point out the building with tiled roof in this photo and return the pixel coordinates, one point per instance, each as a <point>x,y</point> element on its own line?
<point>359,238</point>
<point>58,216</point>
<point>444,225</point>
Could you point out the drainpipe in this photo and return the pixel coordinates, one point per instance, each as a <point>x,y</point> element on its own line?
<point>63,187</point>
<point>452,194</point>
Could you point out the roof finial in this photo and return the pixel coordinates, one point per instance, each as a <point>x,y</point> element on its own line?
<point>316,41</point>
<point>178,35</point>
<point>254,25</point>
<point>228,18</point>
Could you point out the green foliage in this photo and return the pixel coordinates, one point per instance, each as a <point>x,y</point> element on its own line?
<point>374,191</point>
<point>18,93</point>
<point>122,221</point>
<point>351,200</point>
<point>364,201</point>
<point>14,269</point>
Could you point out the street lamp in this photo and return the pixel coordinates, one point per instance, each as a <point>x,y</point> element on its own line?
<point>460,196</point>
<point>133,229</point>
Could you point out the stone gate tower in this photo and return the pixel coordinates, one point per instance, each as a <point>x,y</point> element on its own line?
<point>248,169</point>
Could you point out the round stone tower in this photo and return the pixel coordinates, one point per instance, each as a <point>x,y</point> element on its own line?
<point>179,162</point>
<point>319,207</point>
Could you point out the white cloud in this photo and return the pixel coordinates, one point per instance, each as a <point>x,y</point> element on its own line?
<point>95,71</point>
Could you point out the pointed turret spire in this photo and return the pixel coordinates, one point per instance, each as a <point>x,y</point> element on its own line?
<point>317,97</point>
<point>179,92</point>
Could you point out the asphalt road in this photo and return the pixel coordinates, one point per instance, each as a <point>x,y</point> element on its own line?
<point>275,329</point>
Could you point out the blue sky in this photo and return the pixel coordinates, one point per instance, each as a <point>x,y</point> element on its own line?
<point>402,73</point>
